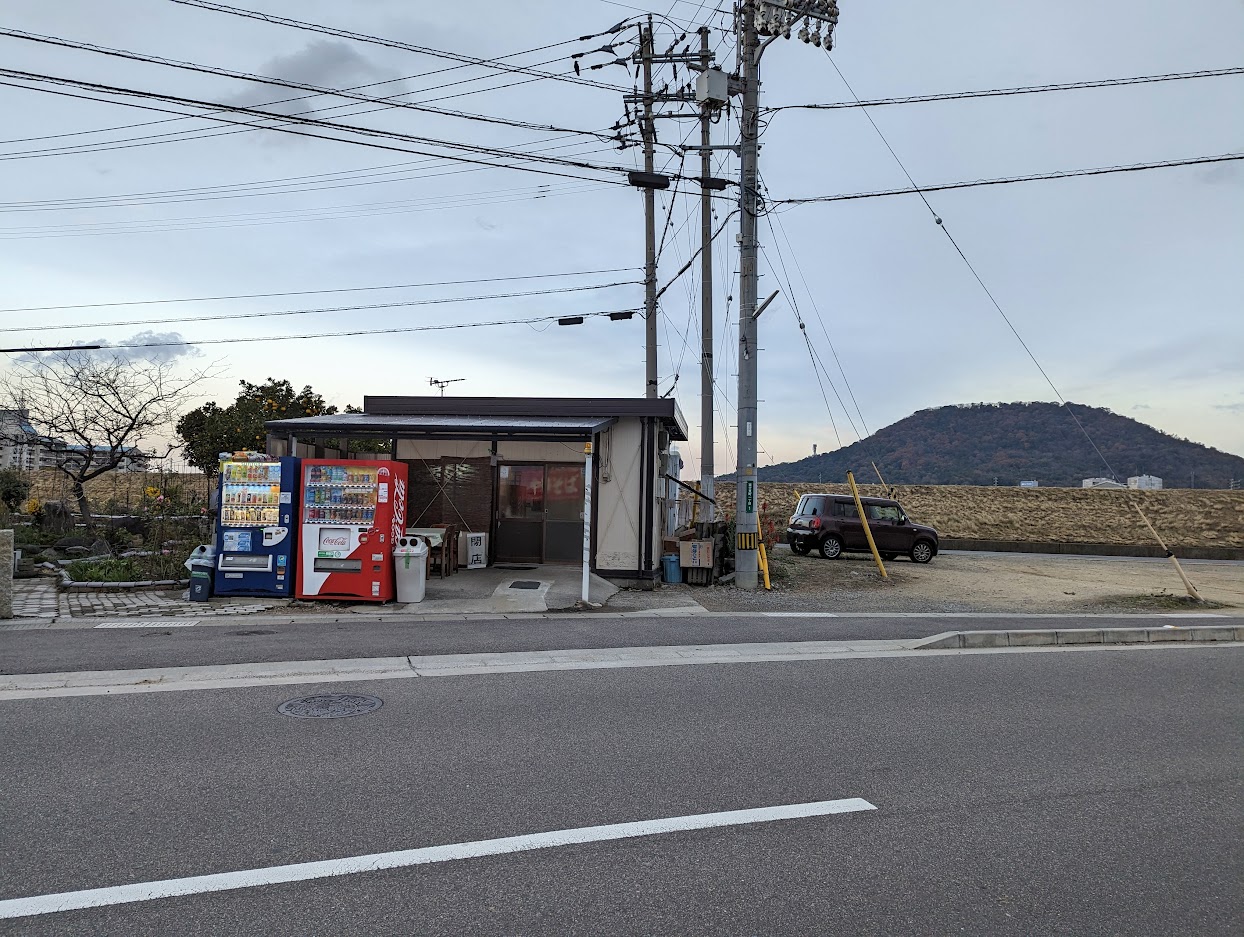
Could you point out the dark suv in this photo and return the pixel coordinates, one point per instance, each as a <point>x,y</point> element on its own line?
<point>832,524</point>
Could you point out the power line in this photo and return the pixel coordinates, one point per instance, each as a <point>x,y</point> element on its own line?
<point>441,300</point>
<point>293,119</point>
<point>289,216</point>
<point>393,331</point>
<point>1011,180</point>
<point>397,44</point>
<point>1006,92</point>
<point>343,289</point>
<point>964,257</point>
<point>296,85</point>
<point>348,128</point>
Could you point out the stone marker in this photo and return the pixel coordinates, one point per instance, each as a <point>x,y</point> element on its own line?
<point>6,573</point>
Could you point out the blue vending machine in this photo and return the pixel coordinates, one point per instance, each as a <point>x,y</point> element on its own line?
<point>257,528</point>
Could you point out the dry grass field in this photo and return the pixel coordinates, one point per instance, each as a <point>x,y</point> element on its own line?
<point>121,488</point>
<point>1184,517</point>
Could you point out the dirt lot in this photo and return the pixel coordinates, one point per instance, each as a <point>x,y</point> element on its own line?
<point>985,582</point>
<point>1184,517</point>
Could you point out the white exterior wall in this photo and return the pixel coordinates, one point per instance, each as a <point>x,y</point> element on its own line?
<point>617,496</point>
<point>1145,482</point>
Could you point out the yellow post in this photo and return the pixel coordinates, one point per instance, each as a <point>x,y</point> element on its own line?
<point>859,506</point>
<point>764,564</point>
<point>1179,569</point>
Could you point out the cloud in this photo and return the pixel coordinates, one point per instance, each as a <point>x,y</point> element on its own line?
<point>1230,407</point>
<point>1141,406</point>
<point>324,63</point>
<point>163,347</point>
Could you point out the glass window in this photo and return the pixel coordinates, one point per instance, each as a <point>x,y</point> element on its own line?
<point>812,504</point>
<point>845,509</point>
<point>883,512</point>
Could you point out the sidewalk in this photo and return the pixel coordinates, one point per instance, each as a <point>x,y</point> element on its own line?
<point>489,593</point>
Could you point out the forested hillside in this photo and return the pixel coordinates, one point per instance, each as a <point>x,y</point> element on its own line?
<point>978,444</point>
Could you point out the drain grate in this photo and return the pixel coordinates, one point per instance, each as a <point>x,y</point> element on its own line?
<point>513,566</point>
<point>330,706</point>
<point>149,623</point>
<point>524,584</point>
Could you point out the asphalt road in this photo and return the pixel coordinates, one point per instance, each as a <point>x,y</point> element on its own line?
<point>52,651</point>
<point>1096,792</point>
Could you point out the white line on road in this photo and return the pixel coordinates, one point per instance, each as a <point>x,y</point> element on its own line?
<point>149,623</point>
<point>304,871</point>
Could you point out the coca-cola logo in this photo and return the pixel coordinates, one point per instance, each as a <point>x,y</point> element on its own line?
<point>382,472</point>
<point>399,508</point>
<point>335,541</point>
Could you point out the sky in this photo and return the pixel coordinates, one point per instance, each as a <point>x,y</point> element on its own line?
<point>1127,288</point>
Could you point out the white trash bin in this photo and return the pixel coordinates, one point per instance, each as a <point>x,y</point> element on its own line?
<point>410,568</point>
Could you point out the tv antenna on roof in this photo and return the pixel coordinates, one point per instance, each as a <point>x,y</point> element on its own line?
<point>441,384</point>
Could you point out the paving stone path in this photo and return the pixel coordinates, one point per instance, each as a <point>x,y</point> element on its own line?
<point>39,598</point>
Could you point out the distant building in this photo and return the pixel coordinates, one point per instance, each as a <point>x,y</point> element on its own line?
<point>1101,483</point>
<point>17,438</point>
<point>1028,484</point>
<point>1145,482</point>
<point>24,449</point>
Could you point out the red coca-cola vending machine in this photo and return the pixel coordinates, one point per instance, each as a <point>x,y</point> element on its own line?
<point>352,513</point>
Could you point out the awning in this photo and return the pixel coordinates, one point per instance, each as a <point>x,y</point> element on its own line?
<point>441,426</point>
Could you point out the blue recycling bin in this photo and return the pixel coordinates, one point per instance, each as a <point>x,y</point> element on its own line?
<point>672,568</point>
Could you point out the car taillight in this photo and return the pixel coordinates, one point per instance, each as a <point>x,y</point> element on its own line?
<point>815,523</point>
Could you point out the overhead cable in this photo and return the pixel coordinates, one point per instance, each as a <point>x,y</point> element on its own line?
<point>340,289</point>
<point>443,327</point>
<point>1007,92</point>
<point>440,300</point>
<point>1011,180</point>
<point>395,43</point>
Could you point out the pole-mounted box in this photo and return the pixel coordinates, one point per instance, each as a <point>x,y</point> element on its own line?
<point>712,88</point>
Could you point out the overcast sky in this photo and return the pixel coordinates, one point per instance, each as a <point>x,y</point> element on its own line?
<point>1128,288</point>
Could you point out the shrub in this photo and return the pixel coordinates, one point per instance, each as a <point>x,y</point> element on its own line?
<point>112,569</point>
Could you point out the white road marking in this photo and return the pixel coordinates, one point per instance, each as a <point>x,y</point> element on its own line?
<point>149,623</point>
<point>305,871</point>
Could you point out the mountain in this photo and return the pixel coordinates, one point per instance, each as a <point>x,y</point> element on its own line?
<point>976,444</point>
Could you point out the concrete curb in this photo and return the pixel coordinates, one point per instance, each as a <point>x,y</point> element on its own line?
<point>1080,636</point>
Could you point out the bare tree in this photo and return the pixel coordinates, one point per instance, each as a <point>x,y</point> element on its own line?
<point>94,411</point>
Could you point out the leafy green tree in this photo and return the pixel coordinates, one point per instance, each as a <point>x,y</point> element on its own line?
<point>211,429</point>
<point>13,488</point>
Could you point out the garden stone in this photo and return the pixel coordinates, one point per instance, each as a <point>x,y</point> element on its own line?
<point>57,517</point>
<point>100,548</point>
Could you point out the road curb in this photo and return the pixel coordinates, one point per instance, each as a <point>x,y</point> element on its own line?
<point>963,640</point>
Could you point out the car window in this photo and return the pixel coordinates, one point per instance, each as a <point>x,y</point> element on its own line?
<point>845,509</point>
<point>811,504</point>
<point>883,512</point>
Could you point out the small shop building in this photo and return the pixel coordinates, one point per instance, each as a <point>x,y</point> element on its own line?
<point>514,469</point>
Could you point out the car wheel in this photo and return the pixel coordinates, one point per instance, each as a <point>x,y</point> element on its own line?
<point>888,556</point>
<point>802,547</point>
<point>831,547</point>
<point>921,551</point>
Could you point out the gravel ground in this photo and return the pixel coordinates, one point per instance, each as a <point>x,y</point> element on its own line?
<point>978,582</point>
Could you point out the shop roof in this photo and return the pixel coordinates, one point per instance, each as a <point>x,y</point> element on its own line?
<point>440,426</point>
<point>531,418</point>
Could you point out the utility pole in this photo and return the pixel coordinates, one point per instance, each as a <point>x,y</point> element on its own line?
<point>648,131</point>
<point>706,290</point>
<point>772,19</point>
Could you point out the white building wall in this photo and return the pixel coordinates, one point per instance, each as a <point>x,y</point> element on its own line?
<point>618,496</point>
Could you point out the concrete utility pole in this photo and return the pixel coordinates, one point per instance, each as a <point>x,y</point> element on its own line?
<point>706,290</point>
<point>754,19</point>
<point>648,131</point>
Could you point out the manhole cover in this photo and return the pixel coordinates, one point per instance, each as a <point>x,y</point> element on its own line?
<point>524,584</point>
<point>329,706</point>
